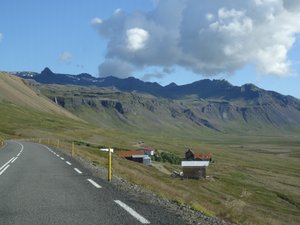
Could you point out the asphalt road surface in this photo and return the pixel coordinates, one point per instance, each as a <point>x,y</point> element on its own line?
<point>39,186</point>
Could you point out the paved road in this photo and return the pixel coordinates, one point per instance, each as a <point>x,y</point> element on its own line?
<point>39,186</point>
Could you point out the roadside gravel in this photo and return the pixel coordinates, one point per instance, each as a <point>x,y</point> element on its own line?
<point>189,215</point>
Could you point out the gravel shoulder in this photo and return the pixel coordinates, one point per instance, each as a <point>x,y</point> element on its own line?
<point>189,215</point>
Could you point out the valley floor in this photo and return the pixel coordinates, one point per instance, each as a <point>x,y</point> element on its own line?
<point>253,180</point>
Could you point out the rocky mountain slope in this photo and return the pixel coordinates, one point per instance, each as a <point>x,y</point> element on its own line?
<point>212,105</point>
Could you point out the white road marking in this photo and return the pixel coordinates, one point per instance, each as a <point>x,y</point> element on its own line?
<point>47,147</point>
<point>57,155</point>
<point>94,183</point>
<point>68,163</point>
<point>77,170</point>
<point>14,159</point>
<point>132,212</point>
<point>22,147</point>
<point>2,171</point>
<point>7,163</point>
<point>62,158</point>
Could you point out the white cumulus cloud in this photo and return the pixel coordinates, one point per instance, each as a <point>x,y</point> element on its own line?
<point>96,21</point>
<point>207,37</point>
<point>136,38</point>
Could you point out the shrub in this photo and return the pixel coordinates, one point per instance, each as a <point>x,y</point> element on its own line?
<point>167,157</point>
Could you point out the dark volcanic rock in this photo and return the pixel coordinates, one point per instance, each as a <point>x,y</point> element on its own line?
<point>113,104</point>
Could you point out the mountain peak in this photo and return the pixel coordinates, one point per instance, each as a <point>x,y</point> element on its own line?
<point>172,85</point>
<point>249,87</point>
<point>85,75</point>
<point>46,71</point>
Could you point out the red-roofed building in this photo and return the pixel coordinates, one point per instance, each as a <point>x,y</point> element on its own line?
<point>189,155</point>
<point>203,156</point>
<point>194,165</point>
<point>126,154</point>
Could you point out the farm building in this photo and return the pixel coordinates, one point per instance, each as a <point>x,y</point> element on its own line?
<point>189,155</point>
<point>148,151</point>
<point>136,156</point>
<point>194,169</point>
<point>194,165</point>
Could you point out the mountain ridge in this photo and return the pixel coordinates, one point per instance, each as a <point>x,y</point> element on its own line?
<point>205,88</point>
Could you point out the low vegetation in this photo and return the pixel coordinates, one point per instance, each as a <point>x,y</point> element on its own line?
<point>167,157</point>
<point>253,180</point>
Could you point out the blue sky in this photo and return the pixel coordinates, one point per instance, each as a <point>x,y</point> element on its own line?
<point>181,41</point>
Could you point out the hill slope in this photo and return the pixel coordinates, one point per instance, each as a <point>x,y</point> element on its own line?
<point>27,113</point>
<point>16,90</point>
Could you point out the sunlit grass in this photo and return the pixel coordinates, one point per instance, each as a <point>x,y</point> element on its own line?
<point>249,182</point>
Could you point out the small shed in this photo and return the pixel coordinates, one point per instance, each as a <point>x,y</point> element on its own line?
<point>147,161</point>
<point>194,169</point>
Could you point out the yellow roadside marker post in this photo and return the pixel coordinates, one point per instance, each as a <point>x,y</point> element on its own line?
<point>109,163</point>
<point>58,143</point>
<point>72,149</point>
<point>109,169</point>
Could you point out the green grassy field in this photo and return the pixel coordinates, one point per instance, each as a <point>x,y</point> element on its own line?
<point>253,180</point>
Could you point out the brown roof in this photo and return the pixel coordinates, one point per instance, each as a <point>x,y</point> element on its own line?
<point>129,153</point>
<point>202,156</point>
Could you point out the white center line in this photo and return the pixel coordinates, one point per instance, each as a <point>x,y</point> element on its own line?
<point>2,171</point>
<point>68,163</point>
<point>7,162</point>
<point>14,160</point>
<point>132,212</point>
<point>62,158</point>
<point>57,155</point>
<point>94,183</point>
<point>77,170</point>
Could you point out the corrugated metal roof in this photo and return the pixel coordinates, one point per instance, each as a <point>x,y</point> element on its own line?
<point>194,163</point>
<point>139,156</point>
